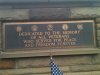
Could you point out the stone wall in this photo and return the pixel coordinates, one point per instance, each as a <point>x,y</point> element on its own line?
<point>69,64</point>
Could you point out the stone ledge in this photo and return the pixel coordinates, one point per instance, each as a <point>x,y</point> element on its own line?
<point>36,53</point>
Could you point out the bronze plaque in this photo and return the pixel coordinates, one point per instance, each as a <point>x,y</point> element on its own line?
<point>48,35</point>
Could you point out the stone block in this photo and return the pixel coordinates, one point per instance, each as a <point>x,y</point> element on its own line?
<point>60,60</point>
<point>96,59</point>
<point>40,74</point>
<point>29,71</point>
<point>85,12</point>
<point>98,38</point>
<point>14,14</point>
<point>80,73</point>
<point>98,20</point>
<point>95,73</point>
<point>7,63</point>
<point>98,33</point>
<point>81,68</point>
<point>0,38</point>
<point>45,71</point>
<point>65,73</point>
<point>98,44</point>
<point>85,73</point>
<point>49,14</point>
<point>0,44</point>
<point>14,1</point>
<point>98,26</point>
<point>0,29</point>
<point>73,60</point>
<point>32,62</point>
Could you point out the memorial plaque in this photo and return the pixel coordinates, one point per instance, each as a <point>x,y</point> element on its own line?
<point>48,35</point>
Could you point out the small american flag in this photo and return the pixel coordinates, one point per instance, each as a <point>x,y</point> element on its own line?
<point>54,68</point>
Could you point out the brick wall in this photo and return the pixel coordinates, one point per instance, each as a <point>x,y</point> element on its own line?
<point>70,64</point>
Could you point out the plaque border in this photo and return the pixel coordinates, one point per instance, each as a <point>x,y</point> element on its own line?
<point>46,22</point>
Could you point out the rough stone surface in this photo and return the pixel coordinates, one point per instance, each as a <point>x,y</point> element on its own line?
<point>32,62</point>
<point>49,13</point>
<point>40,70</point>
<point>67,60</point>
<point>98,32</point>
<point>98,26</point>
<point>88,12</point>
<point>0,41</point>
<point>35,14</point>
<point>98,38</point>
<point>98,20</point>
<point>7,63</point>
<point>14,14</point>
<point>96,59</point>
<point>65,73</point>
<point>80,68</point>
<point>0,36</point>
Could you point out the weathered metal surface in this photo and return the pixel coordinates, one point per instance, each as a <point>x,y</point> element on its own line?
<point>48,35</point>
